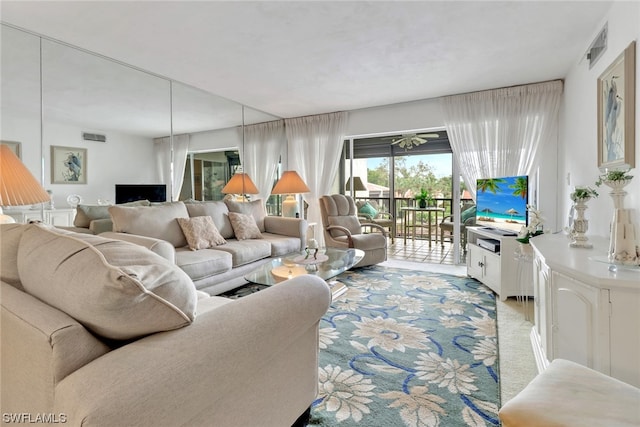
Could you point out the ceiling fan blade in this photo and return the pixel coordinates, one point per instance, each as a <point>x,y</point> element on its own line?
<point>419,140</point>
<point>429,135</point>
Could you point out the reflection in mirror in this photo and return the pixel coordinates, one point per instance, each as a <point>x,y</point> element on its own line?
<point>123,109</point>
<point>20,100</point>
<point>213,125</point>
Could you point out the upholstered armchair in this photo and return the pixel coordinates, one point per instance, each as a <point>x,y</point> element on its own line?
<point>371,212</point>
<point>467,217</point>
<point>343,229</point>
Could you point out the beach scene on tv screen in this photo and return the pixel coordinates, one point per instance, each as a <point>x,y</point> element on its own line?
<point>502,202</point>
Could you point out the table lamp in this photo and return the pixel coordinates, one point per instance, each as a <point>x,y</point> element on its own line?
<point>357,184</point>
<point>240,184</point>
<point>290,183</point>
<point>18,187</point>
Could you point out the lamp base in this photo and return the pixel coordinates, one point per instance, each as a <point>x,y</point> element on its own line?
<point>290,207</point>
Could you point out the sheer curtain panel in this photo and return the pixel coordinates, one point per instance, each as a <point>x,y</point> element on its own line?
<point>166,163</point>
<point>500,132</point>
<point>264,143</point>
<point>314,149</point>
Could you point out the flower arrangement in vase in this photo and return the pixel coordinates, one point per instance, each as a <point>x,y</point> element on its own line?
<point>534,227</point>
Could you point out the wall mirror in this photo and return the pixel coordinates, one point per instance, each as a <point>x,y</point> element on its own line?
<point>55,95</point>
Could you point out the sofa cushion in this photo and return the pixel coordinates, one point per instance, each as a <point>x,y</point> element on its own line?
<point>158,221</point>
<point>246,251</point>
<point>282,245</point>
<point>254,208</point>
<point>116,289</point>
<point>10,235</point>
<point>244,226</point>
<point>200,232</point>
<point>87,213</point>
<point>203,263</point>
<point>218,211</point>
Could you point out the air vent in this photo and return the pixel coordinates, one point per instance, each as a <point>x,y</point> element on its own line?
<point>94,137</point>
<point>598,46</point>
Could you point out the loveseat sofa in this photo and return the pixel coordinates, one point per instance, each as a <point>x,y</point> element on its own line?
<point>102,332</point>
<point>218,263</point>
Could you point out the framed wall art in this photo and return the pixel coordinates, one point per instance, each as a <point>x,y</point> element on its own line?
<point>68,165</point>
<point>14,146</point>
<point>616,112</point>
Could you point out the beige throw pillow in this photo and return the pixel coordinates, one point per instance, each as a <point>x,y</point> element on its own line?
<point>244,226</point>
<point>116,289</point>
<point>255,208</point>
<point>201,232</point>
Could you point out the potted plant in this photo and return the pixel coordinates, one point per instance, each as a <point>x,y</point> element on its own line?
<point>583,194</point>
<point>423,197</point>
<point>614,178</point>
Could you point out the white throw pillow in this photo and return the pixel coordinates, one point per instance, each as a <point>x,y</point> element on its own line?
<point>116,289</point>
<point>244,226</point>
<point>201,232</point>
<point>254,208</point>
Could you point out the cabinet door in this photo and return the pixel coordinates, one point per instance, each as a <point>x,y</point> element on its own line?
<point>540,289</point>
<point>59,218</point>
<point>475,262</point>
<point>576,333</point>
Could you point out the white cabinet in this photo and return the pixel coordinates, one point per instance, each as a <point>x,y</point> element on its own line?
<point>57,217</point>
<point>583,311</point>
<point>496,269</point>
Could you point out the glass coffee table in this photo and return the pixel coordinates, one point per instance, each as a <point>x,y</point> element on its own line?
<point>326,264</point>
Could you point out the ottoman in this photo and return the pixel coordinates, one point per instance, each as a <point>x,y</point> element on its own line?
<point>568,394</point>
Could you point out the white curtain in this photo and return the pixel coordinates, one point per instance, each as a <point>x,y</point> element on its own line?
<point>314,149</point>
<point>165,162</point>
<point>500,132</point>
<point>263,145</point>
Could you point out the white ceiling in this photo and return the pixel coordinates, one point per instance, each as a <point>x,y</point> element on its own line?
<point>292,59</point>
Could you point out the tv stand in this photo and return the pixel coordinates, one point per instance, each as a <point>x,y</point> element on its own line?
<point>497,269</point>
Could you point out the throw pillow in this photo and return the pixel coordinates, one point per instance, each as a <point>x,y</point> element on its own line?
<point>244,226</point>
<point>468,213</point>
<point>254,208</point>
<point>87,213</point>
<point>368,210</point>
<point>218,211</point>
<point>201,232</point>
<point>116,289</point>
<point>158,221</point>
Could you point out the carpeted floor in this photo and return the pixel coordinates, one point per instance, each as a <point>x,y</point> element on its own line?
<point>408,348</point>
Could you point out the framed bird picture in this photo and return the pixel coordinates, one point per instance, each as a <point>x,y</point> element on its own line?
<point>616,112</point>
<point>68,165</point>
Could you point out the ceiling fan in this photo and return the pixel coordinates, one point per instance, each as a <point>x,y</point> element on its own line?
<point>409,140</point>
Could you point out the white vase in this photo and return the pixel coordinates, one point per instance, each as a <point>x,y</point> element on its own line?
<point>622,245</point>
<point>624,239</point>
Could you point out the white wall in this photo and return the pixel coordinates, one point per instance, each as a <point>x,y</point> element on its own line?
<point>577,154</point>
<point>123,159</point>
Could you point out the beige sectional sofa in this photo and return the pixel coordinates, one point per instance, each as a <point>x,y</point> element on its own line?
<point>216,269</point>
<point>102,332</point>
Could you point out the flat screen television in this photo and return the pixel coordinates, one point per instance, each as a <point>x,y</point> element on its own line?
<point>132,192</point>
<point>501,203</point>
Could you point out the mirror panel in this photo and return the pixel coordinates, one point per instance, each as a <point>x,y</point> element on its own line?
<point>20,100</point>
<point>85,93</point>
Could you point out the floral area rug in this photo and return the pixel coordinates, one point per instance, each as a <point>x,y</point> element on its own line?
<point>408,348</point>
